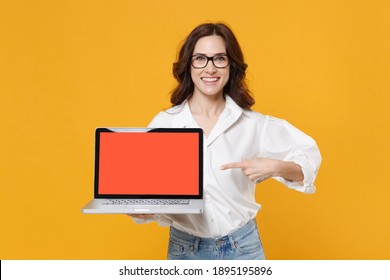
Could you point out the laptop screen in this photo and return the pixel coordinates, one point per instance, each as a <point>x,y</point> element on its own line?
<point>158,163</point>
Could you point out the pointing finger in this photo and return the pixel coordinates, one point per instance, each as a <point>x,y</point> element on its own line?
<point>232,165</point>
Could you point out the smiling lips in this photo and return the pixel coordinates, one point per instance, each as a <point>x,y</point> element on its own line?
<point>210,79</point>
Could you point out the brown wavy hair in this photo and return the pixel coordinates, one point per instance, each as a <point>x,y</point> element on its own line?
<point>236,87</point>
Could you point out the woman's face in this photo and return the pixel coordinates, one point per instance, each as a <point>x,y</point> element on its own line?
<point>210,80</point>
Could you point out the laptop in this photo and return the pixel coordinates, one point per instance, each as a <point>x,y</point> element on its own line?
<point>148,171</point>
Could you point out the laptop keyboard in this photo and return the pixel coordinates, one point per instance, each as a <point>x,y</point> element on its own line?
<point>147,202</point>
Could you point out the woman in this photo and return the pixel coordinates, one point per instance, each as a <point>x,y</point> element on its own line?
<point>242,148</point>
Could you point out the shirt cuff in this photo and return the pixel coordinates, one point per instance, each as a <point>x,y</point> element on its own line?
<point>308,170</point>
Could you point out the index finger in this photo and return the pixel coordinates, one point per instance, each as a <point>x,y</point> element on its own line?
<point>233,165</point>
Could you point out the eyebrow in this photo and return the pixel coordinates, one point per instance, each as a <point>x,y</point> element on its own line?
<point>222,53</point>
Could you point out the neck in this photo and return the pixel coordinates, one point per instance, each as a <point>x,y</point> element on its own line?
<point>207,105</point>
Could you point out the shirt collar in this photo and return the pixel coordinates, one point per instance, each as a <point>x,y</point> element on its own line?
<point>234,108</point>
<point>228,117</point>
<point>183,117</point>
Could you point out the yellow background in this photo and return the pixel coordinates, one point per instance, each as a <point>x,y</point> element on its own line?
<point>69,66</point>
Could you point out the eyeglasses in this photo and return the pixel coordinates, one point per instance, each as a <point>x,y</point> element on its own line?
<point>200,61</point>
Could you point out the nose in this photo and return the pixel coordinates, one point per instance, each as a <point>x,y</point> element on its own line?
<point>210,68</point>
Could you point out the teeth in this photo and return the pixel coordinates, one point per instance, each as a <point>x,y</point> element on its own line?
<point>210,79</point>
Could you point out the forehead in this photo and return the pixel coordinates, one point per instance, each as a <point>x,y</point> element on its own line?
<point>210,45</point>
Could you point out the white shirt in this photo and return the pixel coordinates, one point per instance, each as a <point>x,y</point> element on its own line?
<point>229,195</point>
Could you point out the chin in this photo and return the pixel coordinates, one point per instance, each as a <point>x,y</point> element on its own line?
<point>211,92</point>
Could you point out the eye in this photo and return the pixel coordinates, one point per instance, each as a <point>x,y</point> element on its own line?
<point>220,58</point>
<point>200,58</point>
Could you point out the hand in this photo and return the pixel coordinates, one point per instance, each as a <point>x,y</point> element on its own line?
<point>257,169</point>
<point>141,216</point>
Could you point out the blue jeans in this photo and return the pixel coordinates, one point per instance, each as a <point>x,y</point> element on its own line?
<point>242,244</point>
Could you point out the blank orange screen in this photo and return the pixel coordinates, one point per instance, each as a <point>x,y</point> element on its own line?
<point>149,163</point>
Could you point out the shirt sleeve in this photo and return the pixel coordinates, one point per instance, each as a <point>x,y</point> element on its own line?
<point>161,120</point>
<point>282,141</point>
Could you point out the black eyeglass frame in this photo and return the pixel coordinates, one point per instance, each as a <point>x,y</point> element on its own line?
<point>212,60</point>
